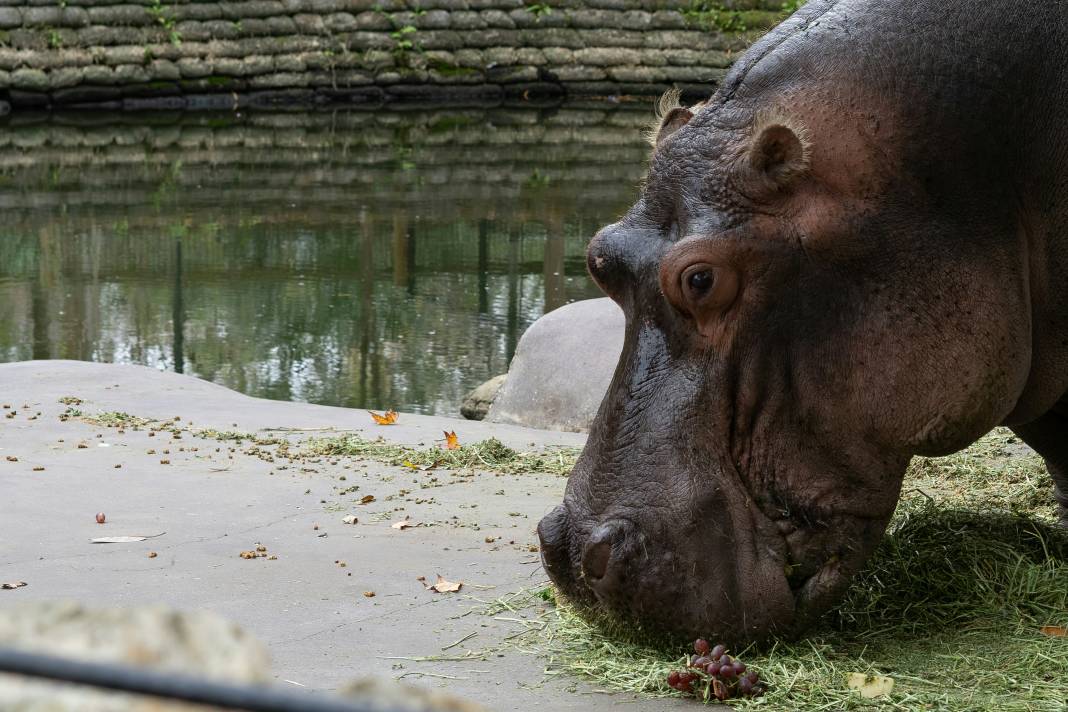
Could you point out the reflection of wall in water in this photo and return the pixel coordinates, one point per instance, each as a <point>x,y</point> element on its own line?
<point>325,288</point>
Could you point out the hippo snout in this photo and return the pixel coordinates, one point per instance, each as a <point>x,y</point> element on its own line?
<point>603,556</point>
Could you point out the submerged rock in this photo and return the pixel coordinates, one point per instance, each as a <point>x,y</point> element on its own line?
<point>562,368</point>
<point>477,403</point>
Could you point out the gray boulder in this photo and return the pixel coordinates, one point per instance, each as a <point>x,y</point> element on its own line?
<point>477,403</point>
<point>200,644</point>
<point>562,368</point>
<point>193,643</point>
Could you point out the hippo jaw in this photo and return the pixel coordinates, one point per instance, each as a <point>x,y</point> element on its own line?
<point>696,554</point>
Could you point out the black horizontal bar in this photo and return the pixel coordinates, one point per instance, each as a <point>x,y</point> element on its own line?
<point>174,686</point>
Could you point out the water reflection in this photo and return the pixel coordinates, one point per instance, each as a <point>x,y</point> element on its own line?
<point>360,259</point>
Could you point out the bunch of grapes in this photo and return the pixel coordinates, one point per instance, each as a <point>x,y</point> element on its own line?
<point>712,673</point>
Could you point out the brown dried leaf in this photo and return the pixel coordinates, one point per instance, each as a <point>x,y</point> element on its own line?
<point>1055,631</point>
<point>443,586</point>
<point>367,499</point>
<point>369,594</point>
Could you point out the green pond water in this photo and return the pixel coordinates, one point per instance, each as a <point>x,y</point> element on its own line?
<point>364,259</point>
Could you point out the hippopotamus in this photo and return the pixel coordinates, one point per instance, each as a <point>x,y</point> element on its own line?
<point>855,252</point>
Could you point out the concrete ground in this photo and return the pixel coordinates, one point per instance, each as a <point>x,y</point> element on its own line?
<point>214,501</point>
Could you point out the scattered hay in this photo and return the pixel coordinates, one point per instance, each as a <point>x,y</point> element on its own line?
<point>491,454</point>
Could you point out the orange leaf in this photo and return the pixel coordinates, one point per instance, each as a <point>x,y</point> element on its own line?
<point>1056,631</point>
<point>387,418</point>
<point>451,441</point>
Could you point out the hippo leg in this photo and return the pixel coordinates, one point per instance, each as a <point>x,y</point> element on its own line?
<point>1048,436</point>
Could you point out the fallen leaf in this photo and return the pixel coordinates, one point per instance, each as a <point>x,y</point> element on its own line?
<point>367,499</point>
<point>410,465</point>
<point>12,458</point>
<point>349,519</point>
<point>152,554</point>
<point>404,524</point>
<point>1055,631</point>
<point>369,594</point>
<point>870,686</point>
<point>12,586</point>
<point>451,441</point>
<point>443,586</point>
<point>387,418</point>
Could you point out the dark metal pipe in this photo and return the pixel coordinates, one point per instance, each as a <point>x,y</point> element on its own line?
<point>174,686</point>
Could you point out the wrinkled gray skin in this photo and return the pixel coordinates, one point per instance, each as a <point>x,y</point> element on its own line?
<point>854,253</point>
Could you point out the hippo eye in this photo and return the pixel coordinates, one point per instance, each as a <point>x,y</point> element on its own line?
<point>700,281</point>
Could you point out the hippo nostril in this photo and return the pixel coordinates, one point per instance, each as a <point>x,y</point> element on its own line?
<point>598,552</point>
<point>595,560</point>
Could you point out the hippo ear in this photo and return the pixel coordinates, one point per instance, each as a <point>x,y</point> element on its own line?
<point>779,152</point>
<point>670,117</point>
<point>675,120</point>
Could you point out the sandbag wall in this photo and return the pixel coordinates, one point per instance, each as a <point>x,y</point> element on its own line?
<point>131,54</point>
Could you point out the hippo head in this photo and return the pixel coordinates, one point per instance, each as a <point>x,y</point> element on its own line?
<point>782,362</point>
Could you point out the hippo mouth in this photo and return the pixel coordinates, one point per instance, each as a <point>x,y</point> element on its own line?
<point>657,580</point>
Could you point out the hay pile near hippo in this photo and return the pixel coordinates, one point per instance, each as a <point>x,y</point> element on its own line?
<point>854,253</point>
